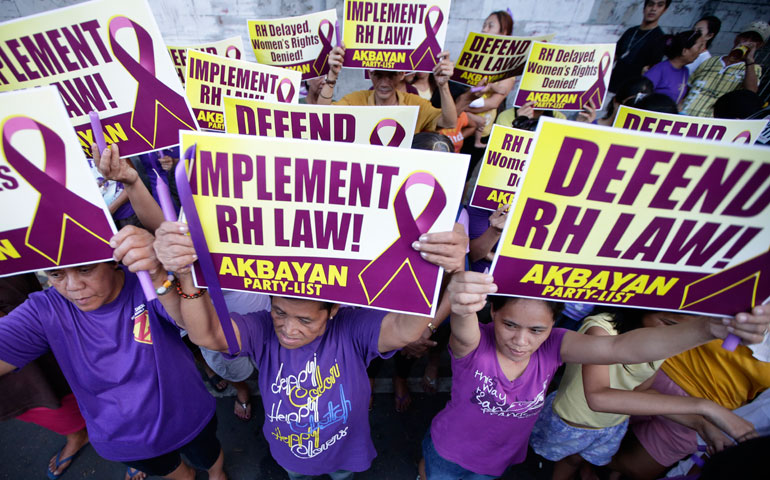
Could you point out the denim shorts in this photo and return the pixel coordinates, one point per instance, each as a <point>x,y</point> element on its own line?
<point>338,475</point>
<point>553,439</point>
<point>439,468</point>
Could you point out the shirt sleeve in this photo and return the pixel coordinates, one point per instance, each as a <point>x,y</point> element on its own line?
<point>22,336</point>
<point>552,346</point>
<point>654,75</point>
<point>254,328</point>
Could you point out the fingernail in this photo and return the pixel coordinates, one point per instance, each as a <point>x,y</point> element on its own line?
<point>730,329</point>
<point>195,257</point>
<point>725,321</point>
<point>423,238</point>
<point>113,243</point>
<point>416,245</point>
<point>106,151</point>
<point>423,254</point>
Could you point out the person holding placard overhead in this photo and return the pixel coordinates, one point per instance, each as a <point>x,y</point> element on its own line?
<point>501,371</point>
<point>385,92</point>
<point>311,357</point>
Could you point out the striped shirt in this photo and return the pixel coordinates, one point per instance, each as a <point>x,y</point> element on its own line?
<point>710,81</point>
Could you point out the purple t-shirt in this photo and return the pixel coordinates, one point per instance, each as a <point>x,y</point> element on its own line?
<point>485,426</point>
<point>316,397</point>
<point>668,80</point>
<point>134,379</point>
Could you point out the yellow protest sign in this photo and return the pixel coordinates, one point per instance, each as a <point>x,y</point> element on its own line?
<point>401,35</point>
<point>705,128</point>
<point>102,56</point>
<point>619,217</point>
<point>229,47</point>
<point>53,214</point>
<point>566,77</point>
<point>301,43</point>
<point>391,126</point>
<point>211,77</point>
<point>494,57</point>
<point>507,154</point>
<point>324,220</point>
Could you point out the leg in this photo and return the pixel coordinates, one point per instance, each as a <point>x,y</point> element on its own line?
<point>182,472</point>
<point>400,386</point>
<point>565,468</point>
<point>75,441</point>
<point>217,471</point>
<point>205,452</point>
<point>421,470</point>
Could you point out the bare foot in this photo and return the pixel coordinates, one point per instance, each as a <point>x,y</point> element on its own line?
<point>242,408</point>
<point>430,378</point>
<point>75,441</point>
<point>134,474</point>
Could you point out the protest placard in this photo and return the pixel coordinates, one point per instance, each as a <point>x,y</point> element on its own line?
<point>494,57</point>
<point>392,126</point>
<point>404,35</point>
<point>301,43</point>
<point>229,47</point>
<point>324,220</point>
<point>618,217</point>
<point>53,214</point>
<point>507,154</point>
<point>210,78</point>
<point>103,56</point>
<point>566,77</point>
<point>704,128</point>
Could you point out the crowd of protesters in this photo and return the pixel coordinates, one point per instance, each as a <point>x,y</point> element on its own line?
<point>90,359</point>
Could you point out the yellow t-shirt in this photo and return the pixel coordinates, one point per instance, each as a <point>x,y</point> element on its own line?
<point>427,117</point>
<point>570,402</point>
<point>730,379</point>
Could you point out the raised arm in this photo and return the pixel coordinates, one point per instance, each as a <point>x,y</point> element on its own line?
<point>441,72</point>
<point>649,344</point>
<point>481,246</point>
<point>445,249</point>
<point>750,80</point>
<point>467,295</point>
<point>119,169</point>
<point>196,315</point>
<point>601,397</point>
<point>326,93</point>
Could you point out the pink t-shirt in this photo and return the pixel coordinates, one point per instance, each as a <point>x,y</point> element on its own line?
<point>485,426</point>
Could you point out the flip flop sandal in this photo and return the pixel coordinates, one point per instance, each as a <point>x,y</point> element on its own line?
<point>245,406</point>
<point>61,461</point>
<point>132,472</point>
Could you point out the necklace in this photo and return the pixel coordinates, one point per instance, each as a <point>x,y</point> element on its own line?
<point>631,43</point>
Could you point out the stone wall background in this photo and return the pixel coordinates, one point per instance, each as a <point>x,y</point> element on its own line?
<point>573,21</point>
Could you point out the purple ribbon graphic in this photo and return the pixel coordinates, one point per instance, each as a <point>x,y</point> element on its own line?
<point>380,272</point>
<point>596,91</point>
<point>430,44</point>
<point>57,205</point>
<point>151,93</point>
<point>233,48</point>
<point>745,136</point>
<point>395,140</point>
<point>202,250</point>
<point>732,286</point>
<point>284,97</point>
<point>319,65</point>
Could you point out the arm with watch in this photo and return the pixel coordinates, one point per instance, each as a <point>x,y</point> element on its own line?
<point>482,247</point>
<point>326,93</point>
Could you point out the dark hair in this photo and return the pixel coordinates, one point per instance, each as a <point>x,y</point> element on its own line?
<point>432,141</point>
<point>655,102</point>
<point>750,36</point>
<point>321,305</point>
<point>668,3</point>
<point>713,25</point>
<point>631,88</point>
<point>737,104</point>
<point>675,44</point>
<point>499,301</point>
<point>505,21</point>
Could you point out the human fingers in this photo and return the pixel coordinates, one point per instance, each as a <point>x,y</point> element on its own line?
<point>445,249</point>
<point>133,247</point>
<point>174,247</point>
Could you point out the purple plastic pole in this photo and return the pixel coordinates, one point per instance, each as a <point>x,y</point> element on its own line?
<point>730,343</point>
<point>337,31</point>
<point>144,277</point>
<point>164,195</point>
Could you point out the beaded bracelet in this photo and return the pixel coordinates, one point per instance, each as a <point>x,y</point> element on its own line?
<point>166,287</point>
<point>198,294</point>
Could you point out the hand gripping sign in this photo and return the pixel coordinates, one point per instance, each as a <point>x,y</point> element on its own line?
<point>53,222</point>
<point>326,221</point>
<point>619,217</point>
<point>392,126</point>
<point>102,56</point>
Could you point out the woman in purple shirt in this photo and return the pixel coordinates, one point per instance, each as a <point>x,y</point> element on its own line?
<point>501,372</point>
<point>670,76</point>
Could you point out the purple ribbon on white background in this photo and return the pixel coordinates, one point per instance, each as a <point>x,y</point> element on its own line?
<point>596,91</point>
<point>398,134</point>
<point>319,65</point>
<point>430,44</point>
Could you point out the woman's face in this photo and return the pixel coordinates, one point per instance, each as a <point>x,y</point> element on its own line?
<point>491,26</point>
<point>521,326</point>
<point>703,28</point>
